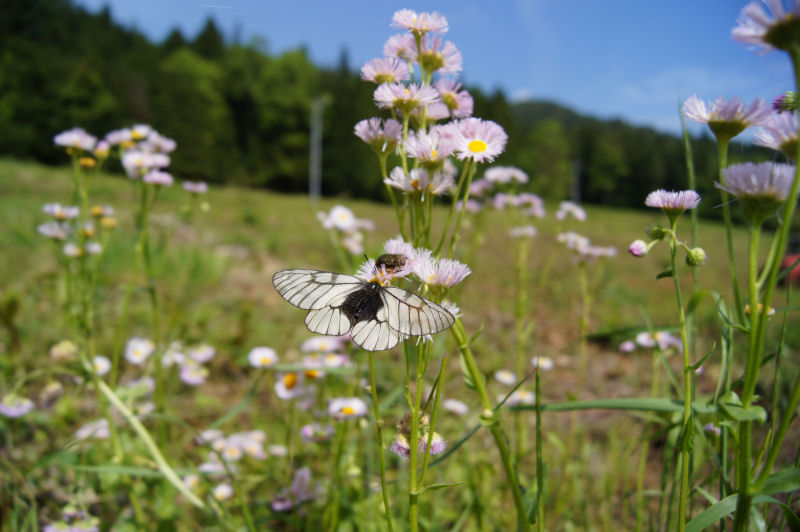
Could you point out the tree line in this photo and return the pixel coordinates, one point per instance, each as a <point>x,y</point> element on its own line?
<point>241,114</point>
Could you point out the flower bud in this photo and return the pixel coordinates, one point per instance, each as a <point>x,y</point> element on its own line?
<point>638,248</point>
<point>785,102</point>
<point>656,232</point>
<point>695,257</point>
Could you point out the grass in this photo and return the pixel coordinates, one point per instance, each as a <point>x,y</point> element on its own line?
<point>214,278</point>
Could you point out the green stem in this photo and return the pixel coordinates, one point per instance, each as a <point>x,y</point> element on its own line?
<point>490,419</point>
<point>685,446</point>
<point>334,494</point>
<point>722,149</point>
<point>379,430</point>
<point>539,457</point>
<point>434,417</point>
<point>151,446</point>
<point>413,442</point>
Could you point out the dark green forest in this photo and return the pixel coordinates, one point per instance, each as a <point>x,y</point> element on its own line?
<point>241,114</point>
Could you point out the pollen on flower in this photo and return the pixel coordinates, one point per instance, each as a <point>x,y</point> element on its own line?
<point>477,146</point>
<point>290,380</point>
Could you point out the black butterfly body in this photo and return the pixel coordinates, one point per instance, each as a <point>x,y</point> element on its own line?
<point>376,316</point>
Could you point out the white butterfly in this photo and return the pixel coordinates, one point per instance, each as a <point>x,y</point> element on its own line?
<point>376,316</point>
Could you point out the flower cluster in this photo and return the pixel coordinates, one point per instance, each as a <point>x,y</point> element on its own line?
<point>343,223</point>
<point>664,340</point>
<point>436,106</point>
<point>583,248</point>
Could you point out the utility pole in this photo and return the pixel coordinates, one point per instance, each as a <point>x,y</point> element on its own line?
<point>315,148</point>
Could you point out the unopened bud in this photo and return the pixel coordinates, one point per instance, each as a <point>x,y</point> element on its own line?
<point>656,232</point>
<point>695,257</point>
<point>638,248</point>
<point>785,102</point>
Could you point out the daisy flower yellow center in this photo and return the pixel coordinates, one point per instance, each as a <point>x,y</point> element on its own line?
<point>97,210</point>
<point>434,154</point>
<point>414,183</point>
<point>127,144</point>
<point>290,380</point>
<point>477,146</point>
<point>312,373</point>
<point>331,358</point>
<point>347,411</point>
<point>137,135</point>
<point>87,162</point>
<point>97,366</point>
<point>266,359</point>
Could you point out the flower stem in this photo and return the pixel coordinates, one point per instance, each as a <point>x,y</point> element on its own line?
<point>685,440</point>
<point>757,332</point>
<point>490,419</point>
<point>379,430</point>
<point>722,149</point>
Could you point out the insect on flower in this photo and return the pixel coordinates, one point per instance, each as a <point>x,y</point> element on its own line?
<point>376,315</point>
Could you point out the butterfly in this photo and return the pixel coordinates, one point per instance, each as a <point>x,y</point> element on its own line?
<point>376,316</point>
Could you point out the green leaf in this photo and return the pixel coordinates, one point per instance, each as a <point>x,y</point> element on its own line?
<point>435,487</point>
<point>739,413</point>
<point>468,381</point>
<point>622,403</point>
<point>475,335</point>
<point>697,298</point>
<point>664,274</point>
<point>727,506</point>
<point>531,502</point>
<point>702,361</point>
<point>115,469</point>
<point>782,482</point>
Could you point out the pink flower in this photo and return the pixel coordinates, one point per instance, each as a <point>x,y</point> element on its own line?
<point>430,148</point>
<point>14,405</point>
<point>403,46</point>
<point>385,70</point>
<point>440,272</point>
<point>757,26</point>
<point>523,231</point>
<point>638,248</point>
<point>438,444</point>
<point>458,102</point>
<point>479,140</point>
<point>195,187</point>
<point>727,117</point>
<point>627,346</point>
<point>568,208</point>
<point>400,446</point>
<point>673,202</point>
<point>439,56</point>
<point>158,178</point>
<point>75,138</point>
<point>420,180</point>
<point>778,132</point>
<point>505,174</point>
<point>404,98</point>
<point>382,136</point>
<point>419,23</point>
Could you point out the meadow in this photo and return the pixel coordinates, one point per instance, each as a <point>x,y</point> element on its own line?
<point>214,276</point>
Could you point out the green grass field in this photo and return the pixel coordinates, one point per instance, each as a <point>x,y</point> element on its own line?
<point>213,278</point>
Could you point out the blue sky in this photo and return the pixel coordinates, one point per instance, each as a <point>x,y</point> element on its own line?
<point>630,59</point>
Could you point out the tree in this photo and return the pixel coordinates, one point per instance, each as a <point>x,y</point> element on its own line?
<point>546,159</point>
<point>189,106</point>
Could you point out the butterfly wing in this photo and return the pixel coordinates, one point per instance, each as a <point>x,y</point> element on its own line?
<point>375,334</point>
<point>412,315</point>
<point>313,289</point>
<point>320,293</point>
